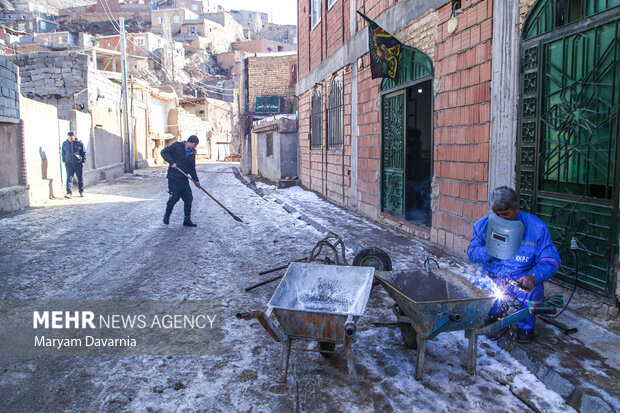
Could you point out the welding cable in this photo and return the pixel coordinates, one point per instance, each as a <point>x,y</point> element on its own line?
<point>574,285</point>
<point>554,300</point>
<point>574,247</point>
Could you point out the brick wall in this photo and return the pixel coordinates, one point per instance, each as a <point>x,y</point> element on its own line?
<point>330,33</point>
<point>369,141</point>
<point>326,171</point>
<point>9,92</point>
<point>462,123</point>
<point>270,76</point>
<point>303,39</point>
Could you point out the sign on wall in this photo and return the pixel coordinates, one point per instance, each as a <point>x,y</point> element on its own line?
<point>267,104</point>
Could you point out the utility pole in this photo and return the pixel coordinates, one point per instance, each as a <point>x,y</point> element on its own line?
<point>127,131</point>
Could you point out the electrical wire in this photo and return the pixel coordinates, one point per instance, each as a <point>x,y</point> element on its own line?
<point>116,26</point>
<point>574,247</point>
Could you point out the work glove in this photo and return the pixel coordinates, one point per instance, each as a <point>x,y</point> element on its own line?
<point>528,282</point>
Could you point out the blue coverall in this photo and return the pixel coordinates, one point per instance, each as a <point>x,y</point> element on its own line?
<point>178,185</point>
<point>537,256</point>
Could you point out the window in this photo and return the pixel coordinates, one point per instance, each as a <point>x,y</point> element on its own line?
<point>315,12</point>
<point>60,40</point>
<point>293,73</point>
<point>140,41</point>
<point>262,17</point>
<point>43,26</point>
<point>192,29</point>
<point>176,19</point>
<point>269,142</point>
<point>194,7</point>
<point>23,16</point>
<point>316,120</point>
<point>331,3</point>
<point>250,16</point>
<point>334,115</point>
<point>160,20</point>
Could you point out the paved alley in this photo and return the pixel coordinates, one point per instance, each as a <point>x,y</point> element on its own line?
<point>112,245</point>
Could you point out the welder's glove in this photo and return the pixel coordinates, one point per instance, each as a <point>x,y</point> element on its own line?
<point>528,282</point>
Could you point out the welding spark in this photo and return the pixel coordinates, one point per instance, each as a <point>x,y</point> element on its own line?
<point>499,294</point>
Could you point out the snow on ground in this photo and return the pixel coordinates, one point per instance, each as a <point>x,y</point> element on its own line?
<point>112,245</point>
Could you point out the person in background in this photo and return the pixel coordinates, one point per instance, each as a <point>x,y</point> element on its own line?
<point>536,261</point>
<point>74,156</point>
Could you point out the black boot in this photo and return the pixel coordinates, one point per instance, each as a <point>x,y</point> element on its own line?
<point>167,218</point>
<point>187,222</point>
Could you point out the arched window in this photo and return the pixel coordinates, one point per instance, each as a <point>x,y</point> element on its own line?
<point>316,120</point>
<point>334,115</point>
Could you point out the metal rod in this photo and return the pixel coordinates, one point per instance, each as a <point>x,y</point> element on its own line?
<point>250,288</point>
<point>281,267</point>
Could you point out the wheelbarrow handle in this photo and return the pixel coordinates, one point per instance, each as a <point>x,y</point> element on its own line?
<point>350,328</point>
<point>545,310</point>
<point>265,322</point>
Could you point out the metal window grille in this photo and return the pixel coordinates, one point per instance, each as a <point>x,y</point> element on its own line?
<point>317,120</point>
<point>334,115</point>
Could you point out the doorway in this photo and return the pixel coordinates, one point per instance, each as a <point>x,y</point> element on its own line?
<point>418,154</point>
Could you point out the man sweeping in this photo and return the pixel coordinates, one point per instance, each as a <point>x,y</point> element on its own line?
<point>181,155</point>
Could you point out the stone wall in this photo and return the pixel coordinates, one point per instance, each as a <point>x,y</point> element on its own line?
<point>55,78</point>
<point>9,91</point>
<point>13,181</point>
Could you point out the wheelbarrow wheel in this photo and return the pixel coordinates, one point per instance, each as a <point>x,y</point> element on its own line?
<point>410,338</point>
<point>325,348</point>
<point>373,257</point>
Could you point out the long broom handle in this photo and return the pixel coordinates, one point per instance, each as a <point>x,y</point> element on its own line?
<point>236,218</point>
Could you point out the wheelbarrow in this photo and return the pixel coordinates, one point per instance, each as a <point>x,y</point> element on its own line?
<point>317,302</point>
<point>431,302</point>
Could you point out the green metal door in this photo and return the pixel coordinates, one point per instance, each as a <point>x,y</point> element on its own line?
<point>393,154</point>
<point>568,153</point>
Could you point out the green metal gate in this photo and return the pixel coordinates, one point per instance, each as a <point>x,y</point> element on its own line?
<point>393,154</point>
<point>568,152</point>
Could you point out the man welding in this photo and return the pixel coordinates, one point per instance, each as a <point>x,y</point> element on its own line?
<point>517,254</point>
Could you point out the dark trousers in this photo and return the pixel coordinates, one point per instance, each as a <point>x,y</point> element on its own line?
<point>74,168</point>
<point>179,189</point>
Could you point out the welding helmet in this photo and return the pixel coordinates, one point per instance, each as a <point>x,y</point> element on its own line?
<point>503,237</point>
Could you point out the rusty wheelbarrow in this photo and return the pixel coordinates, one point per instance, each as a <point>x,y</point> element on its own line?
<point>319,303</point>
<point>432,302</point>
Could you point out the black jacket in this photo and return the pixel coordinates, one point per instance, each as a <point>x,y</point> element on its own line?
<point>73,152</point>
<point>175,153</point>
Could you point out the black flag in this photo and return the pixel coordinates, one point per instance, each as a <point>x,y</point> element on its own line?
<point>384,51</point>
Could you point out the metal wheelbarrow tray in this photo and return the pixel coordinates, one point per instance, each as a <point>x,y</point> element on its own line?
<point>319,303</point>
<point>432,302</point>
